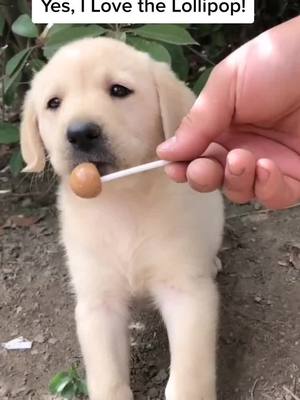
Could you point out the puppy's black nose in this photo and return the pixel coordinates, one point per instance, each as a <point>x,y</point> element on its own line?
<point>83,135</point>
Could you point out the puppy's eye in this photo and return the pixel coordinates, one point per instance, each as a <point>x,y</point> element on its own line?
<point>54,103</point>
<point>120,91</point>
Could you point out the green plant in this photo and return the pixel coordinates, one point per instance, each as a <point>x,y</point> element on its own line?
<point>68,385</point>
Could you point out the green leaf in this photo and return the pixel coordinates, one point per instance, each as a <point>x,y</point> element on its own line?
<point>155,50</point>
<point>11,82</point>
<point>13,64</point>
<point>16,163</point>
<point>69,391</point>
<point>82,389</point>
<point>23,26</point>
<point>37,64</point>
<point>179,63</point>
<point>72,33</point>
<point>200,83</point>
<point>9,133</point>
<point>69,34</point>
<point>119,35</point>
<point>59,382</point>
<point>10,87</point>
<point>49,51</point>
<point>2,24</point>
<point>57,28</point>
<point>73,373</point>
<point>183,25</point>
<point>173,34</point>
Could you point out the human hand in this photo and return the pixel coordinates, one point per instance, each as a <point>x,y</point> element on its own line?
<point>245,125</point>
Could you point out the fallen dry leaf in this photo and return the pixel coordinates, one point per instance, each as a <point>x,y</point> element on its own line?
<point>21,221</point>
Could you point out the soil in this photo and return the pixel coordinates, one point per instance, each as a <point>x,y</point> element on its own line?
<point>259,333</point>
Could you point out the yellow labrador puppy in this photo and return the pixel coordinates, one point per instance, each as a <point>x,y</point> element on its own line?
<point>101,101</point>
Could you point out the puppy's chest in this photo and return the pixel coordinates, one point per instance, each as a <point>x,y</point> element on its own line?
<point>116,232</point>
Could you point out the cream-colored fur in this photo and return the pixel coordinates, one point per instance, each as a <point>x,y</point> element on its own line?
<point>144,235</point>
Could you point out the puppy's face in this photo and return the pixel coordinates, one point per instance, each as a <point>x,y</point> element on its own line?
<point>101,101</point>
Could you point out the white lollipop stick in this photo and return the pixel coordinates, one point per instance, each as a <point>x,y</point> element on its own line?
<point>135,170</point>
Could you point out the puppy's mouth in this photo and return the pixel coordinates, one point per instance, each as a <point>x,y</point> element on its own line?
<point>101,155</point>
<point>104,166</point>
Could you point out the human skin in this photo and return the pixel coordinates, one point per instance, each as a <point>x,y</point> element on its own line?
<point>243,132</point>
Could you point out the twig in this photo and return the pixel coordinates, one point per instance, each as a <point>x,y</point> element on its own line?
<point>295,385</point>
<point>206,59</point>
<point>290,393</point>
<point>246,214</point>
<point>253,388</point>
<point>266,396</point>
<point>44,34</point>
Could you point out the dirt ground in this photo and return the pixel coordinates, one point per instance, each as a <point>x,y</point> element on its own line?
<point>259,340</point>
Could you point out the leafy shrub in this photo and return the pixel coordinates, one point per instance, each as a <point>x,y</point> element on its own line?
<point>163,42</point>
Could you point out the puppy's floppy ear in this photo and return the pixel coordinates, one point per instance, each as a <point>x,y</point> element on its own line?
<point>31,142</point>
<point>175,98</point>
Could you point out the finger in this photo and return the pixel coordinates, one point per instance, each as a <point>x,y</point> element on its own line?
<point>177,172</point>
<point>272,188</point>
<point>239,176</point>
<point>209,117</point>
<point>205,175</point>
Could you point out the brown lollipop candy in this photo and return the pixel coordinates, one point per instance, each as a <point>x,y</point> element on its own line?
<point>85,181</point>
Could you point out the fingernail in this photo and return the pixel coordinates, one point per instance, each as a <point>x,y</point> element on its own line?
<point>236,170</point>
<point>262,174</point>
<point>167,145</point>
<point>234,167</point>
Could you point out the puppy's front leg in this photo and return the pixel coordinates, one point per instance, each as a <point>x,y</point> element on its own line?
<point>102,328</point>
<point>190,314</point>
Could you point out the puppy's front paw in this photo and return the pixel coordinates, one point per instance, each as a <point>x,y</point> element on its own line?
<point>120,392</point>
<point>188,390</point>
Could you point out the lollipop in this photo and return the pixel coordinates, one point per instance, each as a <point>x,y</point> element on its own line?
<point>86,182</point>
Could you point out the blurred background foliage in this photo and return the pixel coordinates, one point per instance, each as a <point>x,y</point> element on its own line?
<point>191,50</point>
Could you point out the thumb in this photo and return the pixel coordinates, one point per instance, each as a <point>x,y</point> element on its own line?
<point>209,117</point>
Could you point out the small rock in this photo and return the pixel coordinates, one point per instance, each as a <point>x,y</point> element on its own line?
<point>4,391</point>
<point>18,310</point>
<point>140,396</point>
<point>52,341</point>
<point>257,299</point>
<point>34,352</point>
<point>161,376</point>
<point>283,264</point>
<point>26,203</point>
<point>153,392</point>
<point>257,206</point>
<point>39,339</point>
